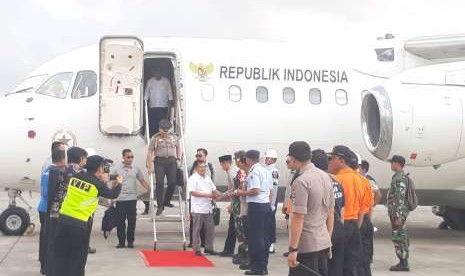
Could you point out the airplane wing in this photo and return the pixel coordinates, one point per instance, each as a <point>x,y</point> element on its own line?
<point>437,47</point>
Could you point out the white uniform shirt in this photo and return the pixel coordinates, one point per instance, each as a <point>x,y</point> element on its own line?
<point>198,183</point>
<point>259,177</point>
<point>158,92</point>
<point>275,175</point>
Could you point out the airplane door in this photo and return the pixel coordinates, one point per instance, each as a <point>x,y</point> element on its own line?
<point>120,85</point>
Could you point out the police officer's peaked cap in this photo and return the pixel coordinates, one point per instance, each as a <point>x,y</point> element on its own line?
<point>397,159</point>
<point>225,158</point>
<point>253,154</point>
<point>164,124</point>
<point>94,162</point>
<point>300,150</point>
<point>344,152</point>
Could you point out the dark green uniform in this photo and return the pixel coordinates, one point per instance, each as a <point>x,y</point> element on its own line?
<point>398,209</point>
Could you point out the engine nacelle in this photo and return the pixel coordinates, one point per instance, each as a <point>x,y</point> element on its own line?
<point>418,115</point>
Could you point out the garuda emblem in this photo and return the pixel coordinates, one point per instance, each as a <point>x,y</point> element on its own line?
<point>201,71</point>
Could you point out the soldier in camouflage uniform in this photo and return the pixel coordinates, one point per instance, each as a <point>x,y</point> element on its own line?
<point>398,211</point>
<point>238,209</point>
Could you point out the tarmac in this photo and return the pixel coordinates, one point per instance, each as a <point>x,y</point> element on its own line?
<point>432,251</point>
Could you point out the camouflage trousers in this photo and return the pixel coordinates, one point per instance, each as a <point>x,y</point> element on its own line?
<point>240,233</point>
<point>400,237</point>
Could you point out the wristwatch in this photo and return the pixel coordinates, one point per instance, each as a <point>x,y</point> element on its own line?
<point>292,249</point>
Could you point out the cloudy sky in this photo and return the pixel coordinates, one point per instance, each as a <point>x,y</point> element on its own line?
<point>34,31</point>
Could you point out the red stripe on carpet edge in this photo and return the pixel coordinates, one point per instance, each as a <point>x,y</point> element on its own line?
<point>147,264</point>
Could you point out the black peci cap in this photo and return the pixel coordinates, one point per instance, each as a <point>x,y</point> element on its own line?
<point>397,159</point>
<point>225,158</point>
<point>253,154</point>
<point>320,159</point>
<point>342,151</point>
<point>300,150</point>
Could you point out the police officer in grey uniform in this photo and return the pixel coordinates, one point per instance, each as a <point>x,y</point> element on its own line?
<point>165,152</point>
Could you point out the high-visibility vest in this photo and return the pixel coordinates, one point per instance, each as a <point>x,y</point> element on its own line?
<point>81,200</point>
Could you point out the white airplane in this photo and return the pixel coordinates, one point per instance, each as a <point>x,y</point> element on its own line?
<point>405,98</point>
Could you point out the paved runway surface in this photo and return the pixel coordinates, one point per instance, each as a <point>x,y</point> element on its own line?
<point>433,251</point>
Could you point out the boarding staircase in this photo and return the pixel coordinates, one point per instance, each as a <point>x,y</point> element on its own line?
<point>170,229</point>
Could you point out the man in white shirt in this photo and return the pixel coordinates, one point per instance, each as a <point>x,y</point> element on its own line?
<point>202,191</point>
<point>159,95</point>
<point>271,156</point>
<point>259,184</point>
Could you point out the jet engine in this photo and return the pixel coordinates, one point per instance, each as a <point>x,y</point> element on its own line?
<point>418,114</point>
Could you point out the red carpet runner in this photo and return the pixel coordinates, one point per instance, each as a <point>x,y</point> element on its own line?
<point>174,259</point>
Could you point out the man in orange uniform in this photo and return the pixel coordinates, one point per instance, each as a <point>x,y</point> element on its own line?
<point>364,223</point>
<point>340,158</point>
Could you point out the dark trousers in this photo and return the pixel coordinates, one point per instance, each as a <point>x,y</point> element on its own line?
<point>165,167</point>
<point>230,242</point>
<point>52,225</point>
<point>366,250</point>
<point>155,115</point>
<point>336,263</point>
<point>127,210</point>
<point>309,263</point>
<point>70,251</point>
<point>43,240</point>
<point>352,246</point>
<point>258,234</point>
<point>273,225</point>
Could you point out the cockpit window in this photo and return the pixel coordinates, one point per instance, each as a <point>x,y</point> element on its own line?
<point>29,84</point>
<point>85,85</point>
<point>56,86</point>
<point>385,54</point>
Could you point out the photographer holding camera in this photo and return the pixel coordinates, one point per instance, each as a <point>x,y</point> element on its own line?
<point>72,234</point>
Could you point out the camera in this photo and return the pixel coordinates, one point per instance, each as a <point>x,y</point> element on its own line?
<point>113,177</point>
<point>107,164</point>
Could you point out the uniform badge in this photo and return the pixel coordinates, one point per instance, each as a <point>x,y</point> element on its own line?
<point>66,137</point>
<point>275,175</point>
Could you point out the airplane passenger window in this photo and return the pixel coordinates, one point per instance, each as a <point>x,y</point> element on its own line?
<point>341,97</point>
<point>235,93</point>
<point>85,85</point>
<point>208,92</point>
<point>288,95</point>
<point>262,94</point>
<point>57,85</point>
<point>314,95</point>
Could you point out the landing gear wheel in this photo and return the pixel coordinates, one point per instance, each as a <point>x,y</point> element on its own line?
<point>154,246</point>
<point>184,246</point>
<point>14,221</point>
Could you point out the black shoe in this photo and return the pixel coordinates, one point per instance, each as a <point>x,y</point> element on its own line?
<point>286,254</point>
<point>169,205</point>
<point>244,267</point>
<point>120,246</point>
<point>159,211</point>
<point>91,250</point>
<point>236,259</point>
<point>130,245</point>
<point>42,271</point>
<point>210,252</point>
<point>225,254</point>
<point>401,266</point>
<point>256,272</point>
<point>198,253</point>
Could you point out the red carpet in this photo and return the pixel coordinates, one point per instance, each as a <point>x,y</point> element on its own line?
<point>174,259</point>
